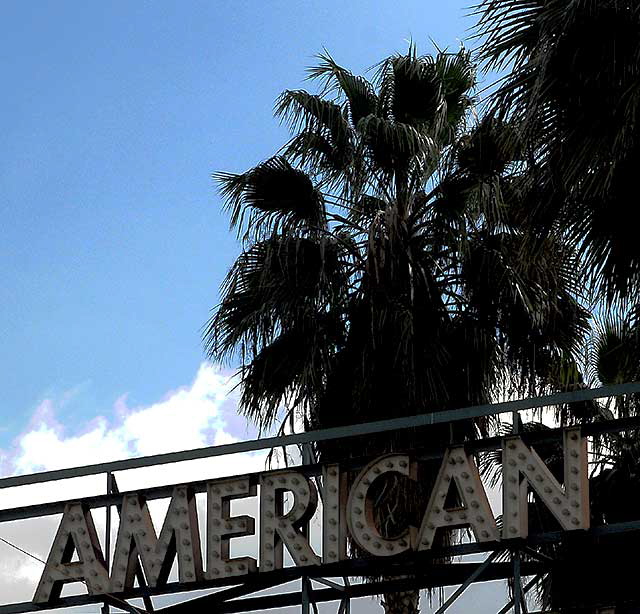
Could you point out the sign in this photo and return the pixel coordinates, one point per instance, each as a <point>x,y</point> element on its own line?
<point>346,510</point>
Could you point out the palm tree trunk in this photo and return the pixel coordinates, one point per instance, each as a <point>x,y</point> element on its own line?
<point>401,602</point>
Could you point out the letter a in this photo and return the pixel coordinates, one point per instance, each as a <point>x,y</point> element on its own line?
<point>75,533</point>
<point>475,512</point>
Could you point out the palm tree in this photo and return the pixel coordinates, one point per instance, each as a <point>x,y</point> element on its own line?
<point>382,272</point>
<point>588,573</point>
<point>573,87</point>
<point>600,566</point>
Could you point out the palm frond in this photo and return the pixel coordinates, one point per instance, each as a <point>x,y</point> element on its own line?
<point>315,152</point>
<point>272,287</point>
<point>573,89</point>
<point>359,93</point>
<point>457,73</point>
<point>528,300</point>
<point>290,369</point>
<point>614,350</point>
<point>411,89</point>
<point>311,112</point>
<point>510,29</point>
<point>393,145</point>
<point>273,189</point>
<point>488,149</point>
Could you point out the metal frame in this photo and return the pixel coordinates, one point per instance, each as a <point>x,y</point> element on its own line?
<point>233,598</point>
<point>340,432</point>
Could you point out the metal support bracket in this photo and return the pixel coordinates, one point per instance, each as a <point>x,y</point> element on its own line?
<point>470,580</point>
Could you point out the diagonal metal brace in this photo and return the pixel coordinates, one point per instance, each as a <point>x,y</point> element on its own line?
<point>307,597</point>
<point>330,584</point>
<point>470,580</point>
<point>525,590</point>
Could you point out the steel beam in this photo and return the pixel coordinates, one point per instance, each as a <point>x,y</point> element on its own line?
<point>495,571</point>
<point>352,568</point>
<point>160,492</point>
<point>438,575</point>
<point>339,587</point>
<point>470,580</point>
<point>341,432</point>
<point>242,590</point>
<point>517,586</point>
<point>525,590</point>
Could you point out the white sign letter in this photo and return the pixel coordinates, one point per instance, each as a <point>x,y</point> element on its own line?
<point>75,533</point>
<point>474,511</point>
<point>334,533</point>
<point>221,526</point>
<point>277,528</point>
<point>137,538</point>
<point>569,505</point>
<point>360,509</point>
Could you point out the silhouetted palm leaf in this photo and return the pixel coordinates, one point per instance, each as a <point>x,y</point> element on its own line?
<point>574,91</point>
<point>274,192</point>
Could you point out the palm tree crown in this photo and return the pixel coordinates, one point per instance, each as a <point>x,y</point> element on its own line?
<point>382,271</point>
<point>573,90</point>
<point>382,267</point>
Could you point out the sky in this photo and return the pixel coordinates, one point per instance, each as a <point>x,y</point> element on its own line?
<point>113,241</point>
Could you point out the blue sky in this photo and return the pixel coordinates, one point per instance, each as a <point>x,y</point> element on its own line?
<point>113,117</point>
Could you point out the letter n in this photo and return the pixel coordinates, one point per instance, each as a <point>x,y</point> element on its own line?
<point>522,467</point>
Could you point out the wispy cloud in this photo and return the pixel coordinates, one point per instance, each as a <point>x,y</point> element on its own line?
<point>199,414</point>
<point>192,416</point>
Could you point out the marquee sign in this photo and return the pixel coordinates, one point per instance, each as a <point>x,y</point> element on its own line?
<point>76,553</point>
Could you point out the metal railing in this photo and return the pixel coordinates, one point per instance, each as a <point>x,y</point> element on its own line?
<point>348,568</point>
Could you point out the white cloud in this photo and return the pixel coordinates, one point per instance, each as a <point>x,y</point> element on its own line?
<point>191,417</point>
<point>196,415</point>
<point>184,419</point>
